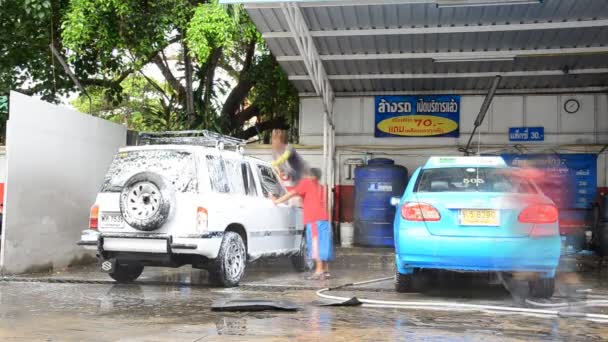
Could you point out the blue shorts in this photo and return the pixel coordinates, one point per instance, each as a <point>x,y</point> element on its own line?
<point>319,241</point>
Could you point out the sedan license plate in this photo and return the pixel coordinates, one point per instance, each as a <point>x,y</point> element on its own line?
<point>479,217</point>
<point>111,220</point>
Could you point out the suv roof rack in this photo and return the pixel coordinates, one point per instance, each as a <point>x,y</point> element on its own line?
<point>199,138</point>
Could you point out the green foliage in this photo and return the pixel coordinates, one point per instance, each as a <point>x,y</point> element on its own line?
<point>211,27</point>
<point>274,94</point>
<point>110,36</point>
<point>3,117</point>
<point>142,107</point>
<point>108,42</point>
<point>3,106</point>
<point>27,27</point>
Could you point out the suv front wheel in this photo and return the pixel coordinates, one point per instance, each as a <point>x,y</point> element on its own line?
<point>125,273</point>
<point>229,266</point>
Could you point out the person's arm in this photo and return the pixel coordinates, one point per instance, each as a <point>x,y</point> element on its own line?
<point>284,198</point>
<point>282,159</point>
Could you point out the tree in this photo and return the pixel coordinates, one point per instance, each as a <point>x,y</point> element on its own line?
<point>110,40</point>
<point>27,27</point>
<point>3,116</point>
<point>145,105</point>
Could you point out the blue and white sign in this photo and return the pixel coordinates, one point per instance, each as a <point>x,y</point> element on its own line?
<point>417,116</point>
<point>526,134</point>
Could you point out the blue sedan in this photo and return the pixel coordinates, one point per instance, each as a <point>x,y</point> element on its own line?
<point>475,214</point>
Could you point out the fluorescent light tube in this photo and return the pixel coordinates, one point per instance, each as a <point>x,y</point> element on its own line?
<point>475,3</point>
<point>469,59</point>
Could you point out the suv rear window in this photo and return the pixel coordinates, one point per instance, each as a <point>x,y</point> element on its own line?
<point>176,166</point>
<point>471,179</point>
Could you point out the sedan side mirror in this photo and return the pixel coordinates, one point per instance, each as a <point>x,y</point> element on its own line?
<point>395,201</point>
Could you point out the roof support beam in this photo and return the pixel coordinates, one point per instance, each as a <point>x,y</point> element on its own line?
<point>331,3</point>
<point>310,56</point>
<point>527,91</point>
<point>456,75</point>
<point>473,55</point>
<point>447,29</point>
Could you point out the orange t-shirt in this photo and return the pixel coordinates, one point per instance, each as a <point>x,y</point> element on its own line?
<point>313,200</point>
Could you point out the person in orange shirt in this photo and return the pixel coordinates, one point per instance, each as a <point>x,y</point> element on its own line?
<point>318,229</point>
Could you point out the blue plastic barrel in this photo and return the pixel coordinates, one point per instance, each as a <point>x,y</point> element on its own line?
<point>375,184</point>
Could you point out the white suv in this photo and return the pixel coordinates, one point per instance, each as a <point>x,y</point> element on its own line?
<point>177,204</point>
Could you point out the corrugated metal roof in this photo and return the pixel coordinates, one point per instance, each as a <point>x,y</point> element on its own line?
<point>342,16</point>
<point>393,66</point>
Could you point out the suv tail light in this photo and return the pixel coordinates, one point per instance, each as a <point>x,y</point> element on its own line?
<point>415,211</point>
<point>538,214</point>
<point>94,217</point>
<point>202,218</point>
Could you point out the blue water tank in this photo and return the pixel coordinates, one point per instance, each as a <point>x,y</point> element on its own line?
<point>375,184</point>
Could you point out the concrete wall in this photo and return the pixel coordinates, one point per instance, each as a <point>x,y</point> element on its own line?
<point>354,120</point>
<point>56,160</point>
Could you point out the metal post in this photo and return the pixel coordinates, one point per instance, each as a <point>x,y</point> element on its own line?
<point>483,110</point>
<point>325,149</point>
<point>325,146</point>
<point>330,182</point>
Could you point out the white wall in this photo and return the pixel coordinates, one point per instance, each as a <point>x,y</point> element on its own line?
<point>354,120</point>
<point>56,160</point>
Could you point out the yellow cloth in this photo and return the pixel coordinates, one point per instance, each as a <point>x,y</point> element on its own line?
<point>282,159</point>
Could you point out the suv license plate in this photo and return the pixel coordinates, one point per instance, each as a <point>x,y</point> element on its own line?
<point>111,220</point>
<point>479,217</point>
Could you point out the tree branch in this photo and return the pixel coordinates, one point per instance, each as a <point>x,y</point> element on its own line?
<point>235,98</point>
<point>155,86</point>
<point>262,127</point>
<point>230,70</point>
<point>168,75</point>
<point>249,56</point>
<point>211,65</point>
<point>123,75</point>
<point>190,112</point>
<point>246,114</point>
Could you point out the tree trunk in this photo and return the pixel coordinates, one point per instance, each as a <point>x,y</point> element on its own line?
<point>239,93</point>
<point>212,62</point>
<point>190,113</point>
<point>170,78</point>
<point>246,114</point>
<point>234,100</point>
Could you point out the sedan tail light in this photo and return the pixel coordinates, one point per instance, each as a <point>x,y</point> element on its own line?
<point>538,214</point>
<point>94,217</point>
<point>202,219</point>
<point>415,211</point>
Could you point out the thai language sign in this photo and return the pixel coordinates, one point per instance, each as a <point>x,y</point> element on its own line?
<point>417,116</point>
<point>526,134</point>
<point>570,180</point>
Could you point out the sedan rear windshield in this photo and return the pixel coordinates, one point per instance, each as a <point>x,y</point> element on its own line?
<point>472,179</point>
<point>177,167</point>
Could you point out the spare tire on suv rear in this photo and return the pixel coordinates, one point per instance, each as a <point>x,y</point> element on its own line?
<point>145,201</point>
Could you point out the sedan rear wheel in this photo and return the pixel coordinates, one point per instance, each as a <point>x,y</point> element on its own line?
<point>542,287</point>
<point>403,282</point>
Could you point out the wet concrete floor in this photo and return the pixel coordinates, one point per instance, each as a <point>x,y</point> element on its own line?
<point>174,305</point>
